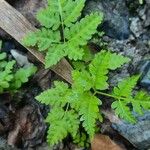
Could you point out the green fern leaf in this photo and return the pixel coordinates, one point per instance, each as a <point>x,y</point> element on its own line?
<point>123,111</point>
<point>89,112</point>
<point>49,16</point>
<point>99,70</point>
<point>2,56</point>
<point>22,76</point>
<point>58,127</point>
<point>141,101</point>
<point>99,67</point>
<point>55,96</point>
<point>125,87</point>
<point>78,65</point>
<point>82,81</point>
<point>117,60</point>
<point>82,31</point>
<point>72,122</point>
<point>124,93</point>
<point>30,39</point>
<point>72,11</point>
<point>62,123</point>
<point>43,38</point>
<point>6,75</point>
<point>54,54</point>
<point>0,45</point>
<point>74,53</point>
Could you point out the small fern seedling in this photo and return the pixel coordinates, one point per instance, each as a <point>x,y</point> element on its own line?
<point>10,78</point>
<point>63,33</point>
<point>71,106</point>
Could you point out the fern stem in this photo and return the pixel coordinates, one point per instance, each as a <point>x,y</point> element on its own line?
<point>109,95</point>
<point>61,19</point>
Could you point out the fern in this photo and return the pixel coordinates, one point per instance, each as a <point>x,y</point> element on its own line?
<point>124,97</point>
<point>63,33</point>
<point>78,104</point>
<point>140,102</point>
<point>89,112</point>
<point>10,79</point>
<point>62,123</point>
<point>100,65</point>
<point>84,104</point>
<point>56,96</point>
<point>124,88</point>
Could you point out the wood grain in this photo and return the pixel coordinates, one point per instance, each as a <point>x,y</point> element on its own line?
<point>16,25</point>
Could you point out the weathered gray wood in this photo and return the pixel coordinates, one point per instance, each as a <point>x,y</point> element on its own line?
<point>16,25</point>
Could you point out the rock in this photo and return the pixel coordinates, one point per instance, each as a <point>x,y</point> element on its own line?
<point>116,17</point>
<point>21,58</point>
<point>136,26</point>
<point>4,145</point>
<point>143,68</point>
<point>44,146</point>
<point>138,134</point>
<point>7,46</point>
<point>147,20</point>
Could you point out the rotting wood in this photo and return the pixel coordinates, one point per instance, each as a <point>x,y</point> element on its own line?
<point>16,25</point>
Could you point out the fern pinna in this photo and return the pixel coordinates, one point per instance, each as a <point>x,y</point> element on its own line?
<point>63,33</point>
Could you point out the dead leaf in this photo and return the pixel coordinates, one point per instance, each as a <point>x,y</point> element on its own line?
<point>103,142</point>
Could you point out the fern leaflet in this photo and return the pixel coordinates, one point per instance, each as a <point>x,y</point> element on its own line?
<point>100,65</point>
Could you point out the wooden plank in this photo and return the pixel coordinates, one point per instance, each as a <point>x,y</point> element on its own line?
<point>16,25</point>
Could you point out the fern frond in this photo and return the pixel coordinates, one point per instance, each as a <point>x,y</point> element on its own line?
<point>22,76</point>
<point>72,11</point>
<point>101,63</point>
<point>82,31</point>
<point>117,60</point>
<point>124,93</point>
<point>6,75</point>
<point>43,38</point>
<point>79,65</point>
<point>125,87</point>
<point>49,16</point>
<point>55,96</point>
<point>123,111</point>
<point>141,102</point>
<point>89,112</point>
<point>9,79</point>
<point>62,123</point>
<point>82,81</point>
<point>2,56</point>
<point>0,44</point>
<point>74,52</point>
<point>58,127</point>
<point>73,122</point>
<point>99,69</point>
<point>54,55</point>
